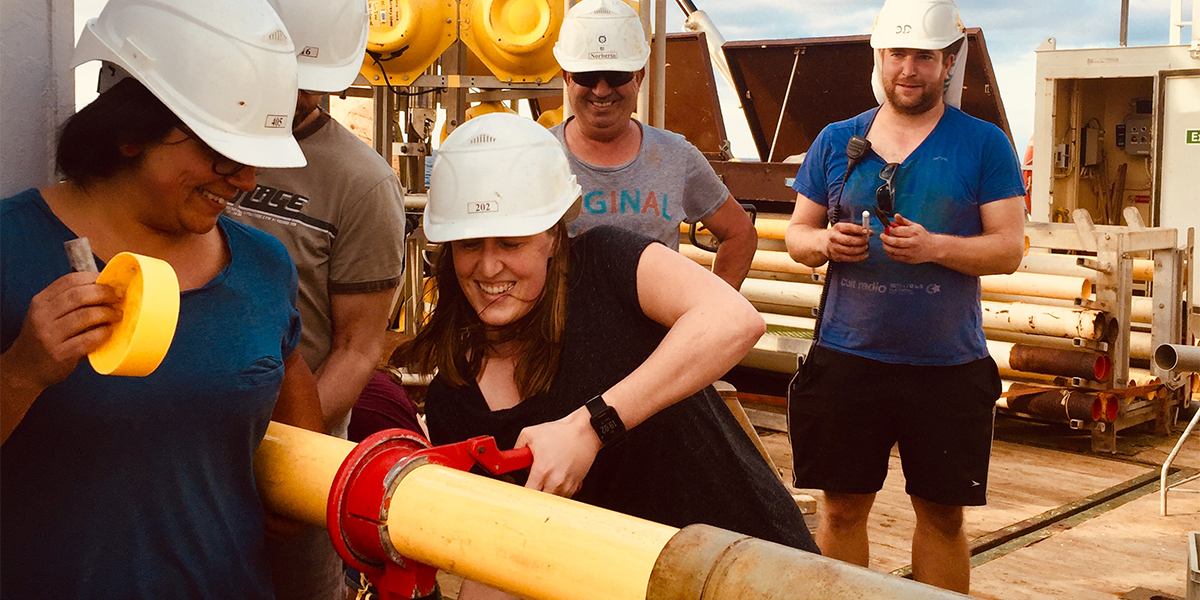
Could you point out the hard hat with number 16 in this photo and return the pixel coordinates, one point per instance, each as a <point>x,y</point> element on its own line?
<point>330,38</point>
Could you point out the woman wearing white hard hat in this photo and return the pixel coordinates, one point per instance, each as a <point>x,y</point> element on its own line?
<point>143,487</point>
<point>596,352</point>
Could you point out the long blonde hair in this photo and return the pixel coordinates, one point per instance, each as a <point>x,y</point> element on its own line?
<point>453,339</point>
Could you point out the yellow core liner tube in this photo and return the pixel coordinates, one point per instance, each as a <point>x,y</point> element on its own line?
<point>542,547</point>
<point>295,470</point>
<point>532,544</point>
<point>536,545</point>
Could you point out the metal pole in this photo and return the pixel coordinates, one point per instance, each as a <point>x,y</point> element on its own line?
<point>786,94</point>
<point>1176,29</point>
<point>660,65</point>
<point>1124,22</point>
<point>385,110</point>
<point>643,103</point>
<point>566,99</point>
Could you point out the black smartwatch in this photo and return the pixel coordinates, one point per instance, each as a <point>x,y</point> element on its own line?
<point>605,421</point>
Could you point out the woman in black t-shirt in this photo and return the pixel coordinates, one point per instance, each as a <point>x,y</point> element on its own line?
<point>596,352</point>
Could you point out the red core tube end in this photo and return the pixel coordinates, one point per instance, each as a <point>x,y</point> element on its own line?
<point>1102,368</point>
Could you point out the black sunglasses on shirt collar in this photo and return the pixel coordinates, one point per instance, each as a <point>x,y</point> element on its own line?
<point>591,79</point>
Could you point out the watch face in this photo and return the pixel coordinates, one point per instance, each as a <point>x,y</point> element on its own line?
<point>607,428</point>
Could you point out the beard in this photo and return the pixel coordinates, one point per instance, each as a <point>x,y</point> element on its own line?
<point>922,104</point>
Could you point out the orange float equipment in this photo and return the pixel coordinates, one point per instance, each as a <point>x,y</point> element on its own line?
<point>514,38</point>
<point>405,37</point>
<point>551,117</point>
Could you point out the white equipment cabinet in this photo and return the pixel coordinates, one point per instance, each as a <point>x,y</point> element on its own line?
<point>1115,128</point>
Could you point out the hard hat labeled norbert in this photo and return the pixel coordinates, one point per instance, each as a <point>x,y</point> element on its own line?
<point>226,68</point>
<point>330,38</point>
<point>499,175</point>
<point>601,35</point>
<point>921,25</point>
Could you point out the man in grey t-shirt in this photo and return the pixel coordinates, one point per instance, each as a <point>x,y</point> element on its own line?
<point>341,218</point>
<point>635,176</point>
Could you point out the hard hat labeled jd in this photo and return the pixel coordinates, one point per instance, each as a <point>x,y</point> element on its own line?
<point>330,38</point>
<point>498,175</point>
<point>922,25</point>
<point>601,35</point>
<point>226,68</point>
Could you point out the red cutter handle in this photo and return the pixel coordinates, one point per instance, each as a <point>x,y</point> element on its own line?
<point>484,451</point>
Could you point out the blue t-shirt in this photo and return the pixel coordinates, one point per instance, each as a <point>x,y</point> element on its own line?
<point>143,487</point>
<point>894,312</point>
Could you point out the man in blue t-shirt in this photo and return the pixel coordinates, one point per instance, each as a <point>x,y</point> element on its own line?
<point>933,202</point>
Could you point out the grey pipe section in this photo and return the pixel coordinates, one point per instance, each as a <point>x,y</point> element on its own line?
<point>706,563</point>
<point>1177,357</point>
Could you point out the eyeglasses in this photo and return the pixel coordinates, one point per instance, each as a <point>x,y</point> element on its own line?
<point>221,165</point>
<point>591,79</point>
<point>885,195</point>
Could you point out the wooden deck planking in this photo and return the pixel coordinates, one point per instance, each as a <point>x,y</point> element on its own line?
<point>1128,547</point>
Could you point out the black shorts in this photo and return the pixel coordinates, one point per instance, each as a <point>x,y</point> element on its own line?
<point>845,412</point>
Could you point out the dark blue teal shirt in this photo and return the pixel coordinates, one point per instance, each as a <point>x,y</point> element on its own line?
<point>143,487</point>
<point>894,312</point>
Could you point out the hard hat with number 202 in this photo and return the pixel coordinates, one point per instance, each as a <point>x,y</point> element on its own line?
<point>499,175</point>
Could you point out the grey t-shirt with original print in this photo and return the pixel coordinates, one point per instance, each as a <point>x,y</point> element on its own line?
<point>668,182</point>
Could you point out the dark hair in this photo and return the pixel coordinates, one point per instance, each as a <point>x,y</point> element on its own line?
<point>89,143</point>
<point>453,339</point>
<point>954,48</point>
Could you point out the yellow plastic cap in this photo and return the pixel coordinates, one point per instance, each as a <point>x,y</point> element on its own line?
<point>149,292</point>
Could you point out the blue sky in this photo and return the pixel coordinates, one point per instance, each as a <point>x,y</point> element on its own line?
<point>1012,28</point>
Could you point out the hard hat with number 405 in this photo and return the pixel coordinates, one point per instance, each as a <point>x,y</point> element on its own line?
<point>499,175</point>
<point>601,35</point>
<point>919,24</point>
<point>226,68</point>
<point>330,38</point>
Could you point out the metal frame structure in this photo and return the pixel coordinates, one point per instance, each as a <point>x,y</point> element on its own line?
<point>1115,248</point>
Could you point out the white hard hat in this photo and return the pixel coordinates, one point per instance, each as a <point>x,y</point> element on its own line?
<point>498,175</point>
<point>330,38</point>
<point>226,68</point>
<point>601,35</point>
<point>922,25</point>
